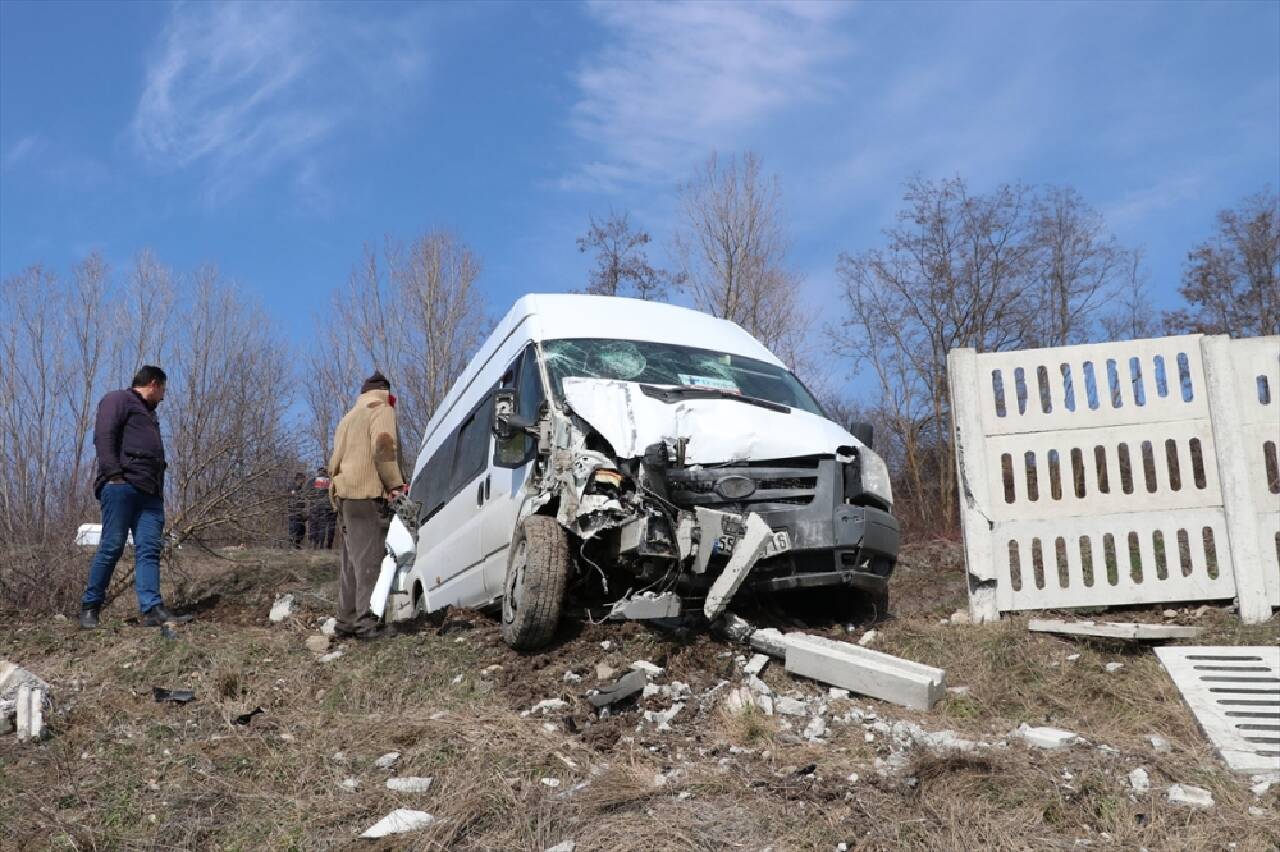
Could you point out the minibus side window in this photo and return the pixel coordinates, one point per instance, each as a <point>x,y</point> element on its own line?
<point>431,487</point>
<point>473,446</point>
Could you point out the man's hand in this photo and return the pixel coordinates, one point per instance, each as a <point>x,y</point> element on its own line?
<point>116,480</point>
<point>396,492</point>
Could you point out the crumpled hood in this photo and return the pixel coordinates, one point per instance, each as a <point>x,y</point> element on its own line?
<point>719,430</point>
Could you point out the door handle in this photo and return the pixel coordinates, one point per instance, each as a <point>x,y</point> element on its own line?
<point>486,488</point>
<point>480,494</point>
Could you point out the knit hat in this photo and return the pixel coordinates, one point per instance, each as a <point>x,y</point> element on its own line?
<point>375,382</point>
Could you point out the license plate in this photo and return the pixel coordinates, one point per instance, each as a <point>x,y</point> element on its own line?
<point>779,542</point>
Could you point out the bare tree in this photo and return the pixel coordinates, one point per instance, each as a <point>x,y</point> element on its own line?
<point>1232,280</point>
<point>1133,316</point>
<point>732,251</point>
<point>1078,266</point>
<point>416,314</point>
<point>622,262</point>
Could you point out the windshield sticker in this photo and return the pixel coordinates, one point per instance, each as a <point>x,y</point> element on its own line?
<point>708,382</point>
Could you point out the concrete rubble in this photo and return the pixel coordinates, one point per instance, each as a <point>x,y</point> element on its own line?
<point>329,626</point>
<point>756,664</point>
<point>409,784</point>
<point>1188,794</point>
<point>318,643</point>
<point>387,760</point>
<point>23,698</point>
<point>283,607</point>
<point>399,821</point>
<point>1049,738</point>
<point>1139,781</point>
<point>566,846</point>
<point>1112,630</point>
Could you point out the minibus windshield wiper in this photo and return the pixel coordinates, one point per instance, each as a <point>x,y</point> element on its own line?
<point>672,394</point>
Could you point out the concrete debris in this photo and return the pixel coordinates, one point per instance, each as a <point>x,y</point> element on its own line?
<point>1045,737</point>
<point>550,782</point>
<point>349,784</point>
<point>606,645</point>
<point>626,686</point>
<point>566,846</point>
<point>318,643</point>
<point>867,638</point>
<point>1170,613</point>
<point>1139,780</point>
<point>1159,743</point>
<point>662,718</point>
<point>8,714</point>
<point>339,757</point>
<point>960,691</point>
<point>283,607</point>
<point>457,679</point>
<point>647,667</point>
<point>399,821</point>
<point>1188,794</point>
<point>1263,783</point>
<point>388,760</point>
<point>788,706</point>
<point>960,616</point>
<point>750,548</point>
<point>1112,630</point>
<point>1071,658</point>
<point>648,605</point>
<point>758,686</point>
<point>490,671</point>
<point>816,729</point>
<point>331,656</point>
<point>329,626</point>
<point>756,665</point>
<point>835,693</point>
<point>549,704</point>
<point>409,784</point>
<point>571,677</point>
<point>1255,811</point>
<point>1112,668</point>
<point>605,671</point>
<point>865,671</point>
<point>29,715</point>
<point>742,699</point>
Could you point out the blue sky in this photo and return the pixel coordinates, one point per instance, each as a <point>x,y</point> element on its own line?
<point>275,140</point>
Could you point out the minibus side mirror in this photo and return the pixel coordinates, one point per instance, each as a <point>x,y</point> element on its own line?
<point>864,432</point>
<point>506,423</point>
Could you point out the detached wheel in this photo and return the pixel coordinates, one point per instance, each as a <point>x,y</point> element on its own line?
<point>533,593</point>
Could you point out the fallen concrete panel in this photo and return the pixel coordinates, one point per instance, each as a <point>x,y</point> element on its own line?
<point>1112,629</point>
<point>1234,692</point>
<point>865,671</point>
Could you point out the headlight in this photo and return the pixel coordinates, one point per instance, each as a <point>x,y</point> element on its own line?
<point>875,475</point>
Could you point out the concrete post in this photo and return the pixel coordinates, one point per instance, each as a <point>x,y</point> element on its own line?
<point>972,476</point>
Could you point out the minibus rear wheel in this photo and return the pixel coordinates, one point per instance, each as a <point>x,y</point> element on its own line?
<point>533,593</point>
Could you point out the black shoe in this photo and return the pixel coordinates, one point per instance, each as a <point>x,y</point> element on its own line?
<point>159,616</point>
<point>341,632</point>
<point>373,633</point>
<point>89,617</point>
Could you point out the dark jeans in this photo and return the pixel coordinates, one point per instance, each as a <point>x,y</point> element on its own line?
<point>125,510</point>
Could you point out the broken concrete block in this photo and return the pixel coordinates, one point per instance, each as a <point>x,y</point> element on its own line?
<point>1263,783</point>
<point>605,671</point>
<point>13,676</point>
<point>566,846</point>
<point>1189,794</point>
<point>758,686</point>
<point>1159,743</point>
<point>756,664</point>
<point>331,656</point>
<point>865,671</point>
<point>24,712</point>
<point>399,821</point>
<point>788,706</point>
<point>318,644</point>
<point>349,784</point>
<point>388,760</point>
<point>647,606</point>
<point>1139,780</point>
<point>867,638</point>
<point>647,667</point>
<point>816,729</point>
<point>328,626</point>
<point>960,616</point>
<point>1045,737</point>
<point>409,785</point>
<point>1112,668</point>
<point>549,704</point>
<point>1112,630</point>
<point>662,718</point>
<point>283,607</point>
<point>8,717</point>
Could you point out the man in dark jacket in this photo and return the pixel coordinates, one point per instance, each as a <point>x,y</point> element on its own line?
<point>130,489</point>
<point>298,505</point>
<point>324,521</point>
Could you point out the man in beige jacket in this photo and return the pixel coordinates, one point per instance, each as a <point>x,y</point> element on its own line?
<point>365,473</point>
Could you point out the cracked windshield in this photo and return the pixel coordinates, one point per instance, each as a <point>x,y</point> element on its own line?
<point>683,366</point>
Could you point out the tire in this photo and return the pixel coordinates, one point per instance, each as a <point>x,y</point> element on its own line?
<point>533,592</point>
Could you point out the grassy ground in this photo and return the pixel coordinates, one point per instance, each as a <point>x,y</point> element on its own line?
<point>121,771</point>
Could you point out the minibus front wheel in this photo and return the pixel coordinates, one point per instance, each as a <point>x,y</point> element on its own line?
<point>537,572</point>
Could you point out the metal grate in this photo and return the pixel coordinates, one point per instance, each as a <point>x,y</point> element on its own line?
<point>1234,692</point>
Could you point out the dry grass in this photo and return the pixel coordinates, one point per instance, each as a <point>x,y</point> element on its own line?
<point>123,772</point>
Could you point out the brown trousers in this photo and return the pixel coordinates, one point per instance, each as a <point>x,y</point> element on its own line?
<point>364,535</point>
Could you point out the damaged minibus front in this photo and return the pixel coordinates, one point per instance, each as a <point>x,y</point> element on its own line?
<point>628,459</point>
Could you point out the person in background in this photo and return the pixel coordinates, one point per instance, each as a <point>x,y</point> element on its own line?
<point>130,490</point>
<point>366,477</point>
<point>323,519</point>
<point>297,508</point>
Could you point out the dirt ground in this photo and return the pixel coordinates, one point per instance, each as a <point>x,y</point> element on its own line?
<point>121,771</point>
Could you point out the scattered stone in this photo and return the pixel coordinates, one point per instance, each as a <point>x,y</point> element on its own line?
<point>551,782</point>
<point>1263,783</point>
<point>662,718</point>
<point>318,644</point>
<point>816,729</point>
<point>349,784</point>
<point>388,760</point>
<point>571,677</point>
<point>409,785</point>
<point>1188,794</point>
<point>1050,738</point>
<point>647,667</point>
<point>1139,780</point>
<point>756,665</point>
<point>1202,611</point>
<point>852,778</point>
<point>399,821</point>
<point>329,626</point>
<point>1159,743</point>
<point>867,638</point>
<point>457,679</point>
<point>835,693</point>
<point>283,607</point>
<point>960,616</point>
<point>331,656</point>
<point>1112,668</point>
<point>958,690</point>
<point>788,706</point>
<point>339,757</point>
<point>605,671</point>
<point>566,846</point>
<point>758,686</point>
<point>13,676</point>
<point>1256,811</point>
<point>607,645</point>
<point>490,671</point>
<point>1071,658</point>
<point>1170,613</point>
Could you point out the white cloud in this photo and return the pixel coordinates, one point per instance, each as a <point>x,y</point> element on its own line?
<point>245,89</point>
<point>21,150</point>
<point>674,79</point>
